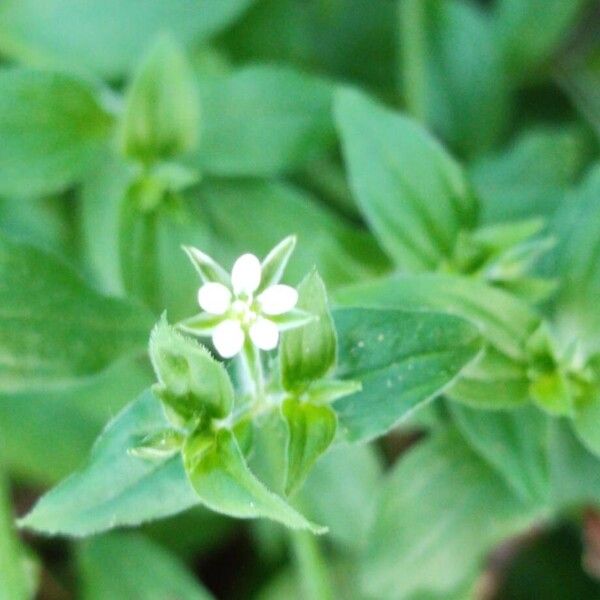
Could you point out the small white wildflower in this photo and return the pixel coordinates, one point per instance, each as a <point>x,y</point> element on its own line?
<point>236,308</point>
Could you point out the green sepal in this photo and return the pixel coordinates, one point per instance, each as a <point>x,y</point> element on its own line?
<point>161,116</point>
<point>202,324</point>
<point>325,391</point>
<point>275,262</point>
<point>292,319</point>
<point>223,482</point>
<point>311,429</point>
<point>192,384</point>
<point>308,353</point>
<point>159,445</point>
<point>208,269</point>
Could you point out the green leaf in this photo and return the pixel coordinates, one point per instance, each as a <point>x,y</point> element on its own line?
<point>52,128</point>
<point>14,584</point>
<point>161,115</point>
<point>258,214</point>
<point>578,263</point>
<point>500,378</point>
<point>105,38</point>
<point>513,443</point>
<point>54,327</point>
<point>580,79</point>
<point>311,429</point>
<point>531,175</point>
<point>308,353</point>
<point>61,424</point>
<point>122,565</point>
<point>222,480</point>
<point>339,492</point>
<point>530,31</point>
<point>262,121</point>
<point>574,471</point>
<point>441,510</point>
<point>403,360</point>
<point>452,73</point>
<point>115,488</point>
<point>413,194</point>
<point>193,385</point>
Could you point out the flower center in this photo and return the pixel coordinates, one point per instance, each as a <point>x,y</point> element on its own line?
<point>243,311</point>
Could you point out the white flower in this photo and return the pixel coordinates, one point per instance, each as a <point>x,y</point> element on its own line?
<point>245,313</point>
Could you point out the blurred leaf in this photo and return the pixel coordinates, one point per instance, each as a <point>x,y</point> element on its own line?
<point>403,359</point>
<point>581,81</point>
<point>339,493</point>
<point>529,32</point>
<point>14,583</point>
<point>450,58</point>
<point>308,353</point>
<point>578,263</point>
<point>220,476</point>
<point>513,443</point>
<point>116,488</point>
<point>41,220</point>
<point>130,566</point>
<point>161,114</point>
<point>52,128</point>
<point>262,121</point>
<point>322,35</point>
<point>61,424</point>
<point>574,471</point>
<point>54,326</point>
<point>258,214</point>
<point>103,197</point>
<point>529,177</point>
<point>97,36</point>
<point>499,378</point>
<point>441,510</point>
<point>311,429</point>
<point>412,193</point>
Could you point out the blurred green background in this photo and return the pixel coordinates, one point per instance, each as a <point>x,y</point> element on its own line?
<point>130,127</point>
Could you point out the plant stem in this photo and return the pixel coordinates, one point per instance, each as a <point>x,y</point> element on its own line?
<point>312,570</point>
<point>252,371</point>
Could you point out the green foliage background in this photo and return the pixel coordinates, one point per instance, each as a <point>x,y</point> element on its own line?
<point>438,161</point>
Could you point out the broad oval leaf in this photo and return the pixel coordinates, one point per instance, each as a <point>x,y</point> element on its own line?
<point>54,327</point>
<point>413,194</point>
<point>402,358</point>
<point>263,121</point>
<point>441,510</point>
<point>514,443</point>
<point>120,565</point>
<point>500,378</point>
<point>98,37</point>
<point>115,488</point>
<point>52,129</point>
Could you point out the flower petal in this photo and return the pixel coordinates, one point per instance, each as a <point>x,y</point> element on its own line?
<point>228,338</point>
<point>246,274</point>
<point>214,298</point>
<point>264,334</point>
<point>278,299</point>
